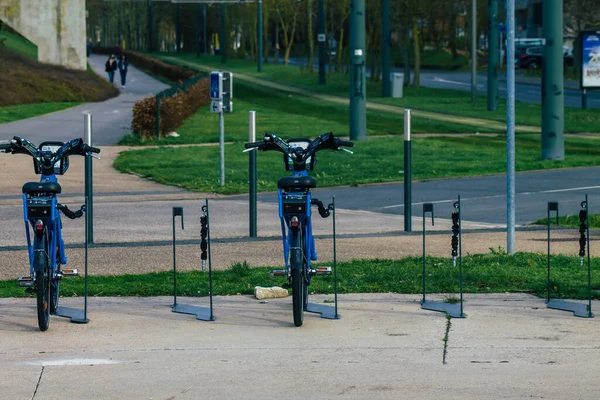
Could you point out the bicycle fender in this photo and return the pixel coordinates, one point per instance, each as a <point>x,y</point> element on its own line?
<point>40,258</point>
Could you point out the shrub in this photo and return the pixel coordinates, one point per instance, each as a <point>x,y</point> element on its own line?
<point>174,110</point>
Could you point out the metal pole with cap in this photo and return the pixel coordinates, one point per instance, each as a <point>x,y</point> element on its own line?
<point>89,215</point>
<point>407,174</point>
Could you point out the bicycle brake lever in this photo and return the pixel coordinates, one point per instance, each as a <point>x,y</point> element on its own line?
<point>94,156</point>
<point>346,150</point>
<point>247,150</point>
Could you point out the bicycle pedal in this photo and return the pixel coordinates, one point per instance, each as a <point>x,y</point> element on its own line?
<point>277,272</point>
<point>321,271</point>
<point>70,272</point>
<point>25,281</point>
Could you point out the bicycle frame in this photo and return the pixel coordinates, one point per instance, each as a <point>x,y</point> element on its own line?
<point>305,219</point>
<point>52,227</point>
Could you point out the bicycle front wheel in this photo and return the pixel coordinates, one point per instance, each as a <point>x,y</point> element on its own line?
<point>54,294</point>
<point>43,299</point>
<point>298,288</point>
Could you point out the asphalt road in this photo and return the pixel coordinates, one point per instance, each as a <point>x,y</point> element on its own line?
<point>483,199</point>
<point>111,119</point>
<point>527,90</point>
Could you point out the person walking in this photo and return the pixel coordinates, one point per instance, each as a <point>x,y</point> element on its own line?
<point>123,65</point>
<point>111,67</point>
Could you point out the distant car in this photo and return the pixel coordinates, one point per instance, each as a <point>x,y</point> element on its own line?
<point>532,57</point>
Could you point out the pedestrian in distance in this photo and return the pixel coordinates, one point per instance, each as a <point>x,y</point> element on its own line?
<point>111,67</point>
<point>123,65</point>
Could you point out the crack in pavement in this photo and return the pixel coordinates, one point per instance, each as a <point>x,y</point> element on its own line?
<point>38,383</point>
<point>446,337</point>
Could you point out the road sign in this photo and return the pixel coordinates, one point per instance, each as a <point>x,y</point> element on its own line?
<point>216,85</point>
<point>321,37</point>
<point>216,106</point>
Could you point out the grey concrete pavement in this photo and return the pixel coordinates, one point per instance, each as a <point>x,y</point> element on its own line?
<point>111,118</point>
<point>383,347</point>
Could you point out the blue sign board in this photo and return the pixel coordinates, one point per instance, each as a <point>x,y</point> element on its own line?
<point>590,59</point>
<point>216,85</point>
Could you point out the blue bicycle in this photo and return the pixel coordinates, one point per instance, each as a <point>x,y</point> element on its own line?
<point>42,213</point>
<point>295,202</point>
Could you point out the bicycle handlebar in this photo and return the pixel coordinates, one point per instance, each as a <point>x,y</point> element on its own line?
<point>325,141</point>
<point>46,159</point>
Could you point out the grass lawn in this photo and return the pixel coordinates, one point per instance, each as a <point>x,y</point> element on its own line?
<point>375,160</point>
<point>22,111</point>
<point>291,116</point>
<point>445,101</point>
<point>571,221</point>
<point>19,44</point>
<point>490,273</point>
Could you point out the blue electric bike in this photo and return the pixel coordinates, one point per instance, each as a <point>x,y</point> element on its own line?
<point>295,202</point>
<point>42,213</point>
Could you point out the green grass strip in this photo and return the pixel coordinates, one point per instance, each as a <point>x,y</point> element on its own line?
<point>489,273</point>
<point>23,111</point>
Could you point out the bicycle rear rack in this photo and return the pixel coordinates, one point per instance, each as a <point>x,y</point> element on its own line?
<point>453,310</point>
<point>328,312</point>
<point>201,313</point>
<point>79,316</point>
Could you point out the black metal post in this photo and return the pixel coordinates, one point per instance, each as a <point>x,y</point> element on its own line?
<point>210,285</point>
<point>552,206</point>
<point>89,182</point>
<point>407,174</point>
<point>176,211</point>
<point>460,256</point>
<point>587,223</point>
<point>584,99</point>
<point>85,278</point>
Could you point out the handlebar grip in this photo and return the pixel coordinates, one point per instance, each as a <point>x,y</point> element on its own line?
<point>251,145</point>
<point>93,149</point>
<point>344,143</point>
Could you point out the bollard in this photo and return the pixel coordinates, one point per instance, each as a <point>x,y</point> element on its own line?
<point>252,173</point>
<point>407,174</point>
<point>89,181</point>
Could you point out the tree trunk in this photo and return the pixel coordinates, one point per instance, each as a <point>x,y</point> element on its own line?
<point>311,38</point>
<point>289,43</point>
<point>338,62</point>
<point>417,49</point>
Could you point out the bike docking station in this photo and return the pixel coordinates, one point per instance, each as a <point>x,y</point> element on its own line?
<point>452,310</point>
<point>201,313</point>
<point>578,309</point>
<point>79,316</point>
<point>326,311</point>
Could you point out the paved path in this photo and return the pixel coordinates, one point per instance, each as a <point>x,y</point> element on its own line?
<point>111,119</point>
<point>383,347</point>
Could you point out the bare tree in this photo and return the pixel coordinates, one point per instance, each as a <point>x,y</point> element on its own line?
<point>288,12</point>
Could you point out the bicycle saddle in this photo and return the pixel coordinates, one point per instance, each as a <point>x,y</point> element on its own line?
<point>41,187</point>
<point>297,182</point>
